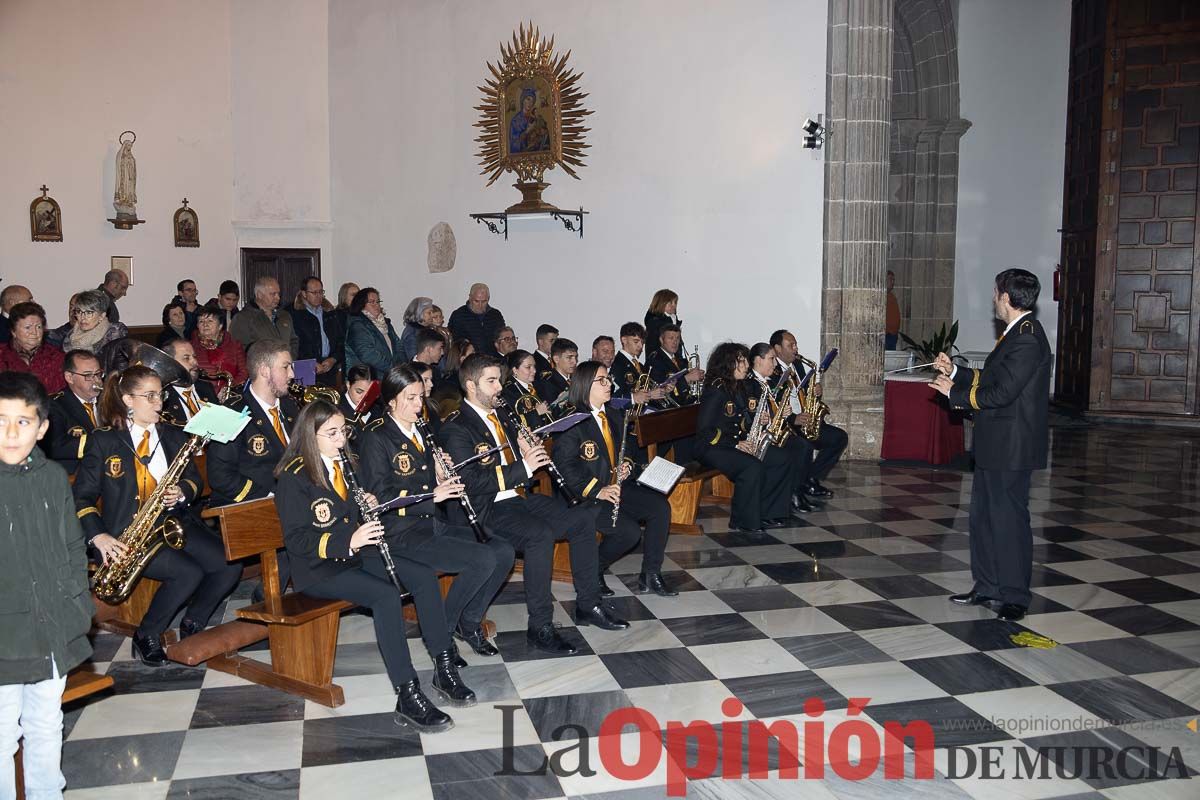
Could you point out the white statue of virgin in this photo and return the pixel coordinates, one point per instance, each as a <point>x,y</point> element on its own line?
<point>125,197</point>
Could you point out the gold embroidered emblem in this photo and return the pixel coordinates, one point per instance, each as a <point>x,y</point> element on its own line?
<point>403,463</point>
<point>322,511</point>
<point>76,432</point>
<point>114,467</point>
<point>753,403</point>
<point>588,451</point>
<point>482,446</point>
<point>729,409</point>
<point>257,444</point>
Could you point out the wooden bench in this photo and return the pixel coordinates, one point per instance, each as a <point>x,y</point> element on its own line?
<point>80,683</point>
<point>665,426</point>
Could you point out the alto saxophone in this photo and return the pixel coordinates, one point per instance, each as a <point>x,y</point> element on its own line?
<point>303,395</point>
<point>115,579</point>
<point>811,403</point>
<point>759,436</point>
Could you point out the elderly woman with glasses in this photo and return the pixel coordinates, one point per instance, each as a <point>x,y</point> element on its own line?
<point>90,328</point>
<point>28,351</point>
<point>370,337</point>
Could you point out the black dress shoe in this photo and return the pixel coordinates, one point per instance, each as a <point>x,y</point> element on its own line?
<point>548,640</point>
<point>601,617</point>
<point>654,582</point>
<point>804,505</point>
<point>814,489</point>
<point>188,628</point>
<point>448,683</point>
<point>971,598</point>
<point>604,590</point>
<point>1010,612</point>
<point>149,650</point>
<point>752,531</point>
<point>477,641</point>
<point>776,523</point>
<point>414,709</point>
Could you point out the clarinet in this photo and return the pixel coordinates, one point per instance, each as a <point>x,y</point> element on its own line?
<point>532,440</point>
<point>439,456</point>
<point>620,460</point>
<point>364,510</point>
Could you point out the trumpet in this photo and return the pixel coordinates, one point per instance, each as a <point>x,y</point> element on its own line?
<point>532,440</point>
<point>694,363</point>
<point>440,458</point>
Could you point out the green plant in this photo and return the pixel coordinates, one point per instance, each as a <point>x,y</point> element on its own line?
<point>942,341</point>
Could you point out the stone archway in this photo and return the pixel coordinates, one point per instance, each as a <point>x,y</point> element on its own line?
<point>923,175</point>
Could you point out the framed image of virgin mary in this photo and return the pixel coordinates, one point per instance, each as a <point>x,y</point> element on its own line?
<point>529,122</point>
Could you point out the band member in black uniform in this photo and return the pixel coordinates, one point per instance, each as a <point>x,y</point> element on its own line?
<point>531,523</point>
<point>429,412</point>
<point>121,466</point>
<point>358,382</point>
<point>627,368</point>
<point>831,441</point>
<point>544,338</point>
<point>762,363</point>
<point>430,349</point>
<point>182,402</point>
<point>585,455</point>
<point>564,356</point>
<point>332,558</point>
<point>667,360</point>
<point>727,409</point>
<point>397,460</point>
<point>520,393</point>
<point>604,350</point>
<point>73,411</point>
<point>1010,398</point>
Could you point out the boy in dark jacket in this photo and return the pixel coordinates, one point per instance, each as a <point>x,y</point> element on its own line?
<point>45,607</point>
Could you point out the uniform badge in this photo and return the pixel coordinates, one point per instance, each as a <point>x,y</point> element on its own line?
<point>753,403</point>
<point>114,467</point>
<point>403,463</point>
<point>482,446</point>
<point>257,444</point>
<point>629,378</point>
<point>729,409</point>
<point>322,511</point>
<point>76,432</point>
<point>588,451</point>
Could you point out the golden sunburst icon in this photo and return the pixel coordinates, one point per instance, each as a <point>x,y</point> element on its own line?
<point>531,117</point>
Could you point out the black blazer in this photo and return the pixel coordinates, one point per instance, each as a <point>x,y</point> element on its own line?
<point>308,332</point>
<point>541,364</point>
<point>463,435</point>
<point>173,404</point>
<point>725,415</point>
<point>70,427</point>
<point>244,468</point>
<point>107,478</point>
<point>654,324</point>
<point>390,465</point>
<point>524,404</point>
<point>624,374</point>
<point>582,457</point>
<point>549,387</point>
<point>317,525</point>
<point>1010,397</point>
<point>662,366</point>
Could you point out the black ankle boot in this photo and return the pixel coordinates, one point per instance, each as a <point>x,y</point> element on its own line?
<point>149,650</point>
<point>449,683</point>
<point>188,628</point>
<point>455,656</point>
<point>604,590</point>
<point>413,708</point>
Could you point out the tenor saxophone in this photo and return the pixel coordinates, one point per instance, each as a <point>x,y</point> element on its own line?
<point>115,579</point>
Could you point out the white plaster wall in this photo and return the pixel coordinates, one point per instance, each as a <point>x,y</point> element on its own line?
<point>73,75</point>
<point>1013,60</point>
<point>695,179</point>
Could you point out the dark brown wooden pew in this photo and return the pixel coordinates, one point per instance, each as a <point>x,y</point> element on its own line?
<point>664,426</point>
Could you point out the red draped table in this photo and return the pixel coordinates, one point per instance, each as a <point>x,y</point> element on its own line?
<point>917,422</point>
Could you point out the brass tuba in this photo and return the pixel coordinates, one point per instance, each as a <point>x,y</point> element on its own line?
<point>115,579</point>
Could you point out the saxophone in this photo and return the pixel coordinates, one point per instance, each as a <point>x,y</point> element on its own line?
<point>303,395</point>
<point>115,579</point>
<point>778,429</point>
<point>759,436</point>
<point>811,403</point>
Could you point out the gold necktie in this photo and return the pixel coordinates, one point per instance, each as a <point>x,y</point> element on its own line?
<point>339,481</point>
<point>190,398</point>
<point>145,481</point>
<point>506,451</point>
<point>416,440</point>
<point>90,408</point>
<point>277,423</point>
<point>608,442</point>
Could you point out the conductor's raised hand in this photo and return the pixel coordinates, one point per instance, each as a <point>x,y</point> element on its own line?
<point>943,364</point>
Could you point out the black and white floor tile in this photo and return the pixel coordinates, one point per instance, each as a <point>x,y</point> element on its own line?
<point>851,603</point>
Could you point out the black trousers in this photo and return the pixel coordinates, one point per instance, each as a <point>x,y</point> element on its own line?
<point>197,575</point>
<point>480,569</point>
<point>532,525</point>
<point>370,587</point>
<point>638,505</point>
<point>762,490</point>
<point>830,444</point>
<point>1001,540</point>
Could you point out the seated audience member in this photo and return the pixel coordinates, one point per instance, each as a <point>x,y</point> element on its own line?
<point>9,297</point>
<point>227,299</point>
<point>174,320</point>
<point>186,297</point>
<point>414,317</point>
<point>320,331</point>
<point>90,328</point>
<point>477,320</point>
<point>265,319</point>
<point>370,337</point>
<point>55,336</point>
<point>217,351</point>
<point>28,351</point>
<point>73,411</point>
<point>115,286</point>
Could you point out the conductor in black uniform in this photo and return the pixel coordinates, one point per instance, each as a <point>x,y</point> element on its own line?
<point>122,466</point>
<point>73,411</point>
<point>1010,397</point>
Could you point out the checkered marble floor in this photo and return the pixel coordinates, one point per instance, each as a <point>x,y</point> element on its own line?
<point>849,604</point>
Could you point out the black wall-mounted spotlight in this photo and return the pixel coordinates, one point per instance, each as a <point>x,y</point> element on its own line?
<point>814,134</point>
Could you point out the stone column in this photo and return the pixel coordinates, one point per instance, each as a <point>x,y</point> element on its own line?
<point>858,110</point>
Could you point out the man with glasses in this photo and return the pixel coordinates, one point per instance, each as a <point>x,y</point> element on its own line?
<point>186,298</point>
<point>265,319</point>
<point>506,341</point>
<point>73,411</point>
<point>115,285</point>
<point>319,333</point>
<point>182,401</point>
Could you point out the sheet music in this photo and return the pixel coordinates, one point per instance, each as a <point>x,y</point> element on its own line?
<point>660,475</point>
